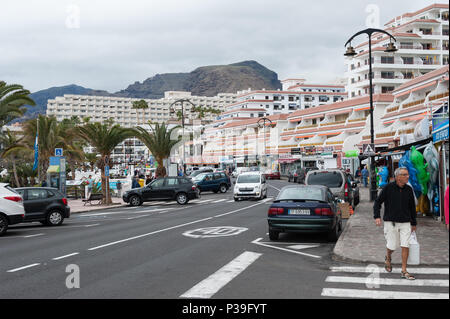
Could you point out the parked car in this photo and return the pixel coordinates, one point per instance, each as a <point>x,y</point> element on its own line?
<point>201,171</point>
<point>271,174</point>
<point>238,171</point>
<point>44,204</point>
<point>215,182</point>
<point>293,175</point>
<point>250,185</point>
<point>181,189</point>
<point>305,209</point>
<point>339,182</point>
<point>11,207</point>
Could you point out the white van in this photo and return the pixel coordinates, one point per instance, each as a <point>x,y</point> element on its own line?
<point>250,185</point>
<point>11,208</point>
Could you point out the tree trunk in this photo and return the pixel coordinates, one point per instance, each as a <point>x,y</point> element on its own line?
<point>15,173</point>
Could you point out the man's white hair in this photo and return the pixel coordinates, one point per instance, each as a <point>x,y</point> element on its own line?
<point>397,171</point>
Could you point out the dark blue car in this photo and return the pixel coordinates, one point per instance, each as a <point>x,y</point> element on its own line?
<point>213,182</point>
<point>305,209</point>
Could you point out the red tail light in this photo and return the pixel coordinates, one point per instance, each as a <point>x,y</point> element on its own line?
<point>194,187</point>
<point>295,175</point>
<point>64,200</point>
<point>346,190</point>
<point>14,198</point>
<point>273,211</point>
<point>323,211</point>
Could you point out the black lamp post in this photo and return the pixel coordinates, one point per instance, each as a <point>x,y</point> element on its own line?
<point>172,111</point>
<point>262,123</point>
<point>350,53</point>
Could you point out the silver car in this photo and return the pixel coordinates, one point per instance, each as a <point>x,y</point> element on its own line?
<point>338,181</point>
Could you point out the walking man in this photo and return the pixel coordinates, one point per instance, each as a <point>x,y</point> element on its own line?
<point>399,217</point>
<point>365,175</point>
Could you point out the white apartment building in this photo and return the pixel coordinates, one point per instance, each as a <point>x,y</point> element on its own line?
<point>422,43</point>
<point>296,95</point>
<point>120,109</point>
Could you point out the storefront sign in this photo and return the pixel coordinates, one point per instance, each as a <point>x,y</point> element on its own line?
<point>441,133</point>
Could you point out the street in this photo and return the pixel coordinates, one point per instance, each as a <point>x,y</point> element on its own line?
<point>213,247</point>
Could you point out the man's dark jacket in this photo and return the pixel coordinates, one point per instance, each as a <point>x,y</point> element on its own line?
<point>399,204</point>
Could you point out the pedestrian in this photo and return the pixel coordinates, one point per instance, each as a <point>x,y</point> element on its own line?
<point>399,217</point>
<point>365,175</point>
<point>90,183</point>
<point>44,183</point>
<point>358,174</point>
<point>135,183</point>
<point>119,188</point>
<point>446,206</point>
<point>148,180</point>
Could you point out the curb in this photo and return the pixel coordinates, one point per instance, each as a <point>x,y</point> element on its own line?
<point>99,208</point>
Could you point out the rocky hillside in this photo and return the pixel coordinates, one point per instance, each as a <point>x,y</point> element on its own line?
<point>203,81</point>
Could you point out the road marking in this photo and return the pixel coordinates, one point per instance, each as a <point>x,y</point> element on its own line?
<point>29,236</point>
<point>66,256</point>
<point>302,246</point>
<point>275,188</point>
<point>220,200</point>
<point>173,227</point>
<point>379,294</point>
<point>91,225</point>
<point>257,242</point>
<point>431,271</point>
<point>211,285</point>
<point>24,267</point>
<point>391,282</point>
<point>137,217</point>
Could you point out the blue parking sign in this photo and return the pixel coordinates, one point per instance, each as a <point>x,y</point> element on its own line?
<point>107,170</point>
<point>58,152</point>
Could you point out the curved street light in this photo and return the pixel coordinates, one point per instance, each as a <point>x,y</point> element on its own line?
<point>350,53</point>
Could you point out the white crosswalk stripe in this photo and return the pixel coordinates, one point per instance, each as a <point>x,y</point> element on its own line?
<point>373,282</point>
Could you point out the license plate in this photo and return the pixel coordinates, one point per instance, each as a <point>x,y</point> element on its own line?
<point>299,212</point>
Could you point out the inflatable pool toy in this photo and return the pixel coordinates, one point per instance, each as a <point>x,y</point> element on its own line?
<point>422,175</point>
<point>405,162</point>
<point>384,176</point>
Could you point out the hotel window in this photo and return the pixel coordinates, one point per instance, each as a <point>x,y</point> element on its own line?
<point>387,89</point>
<point>408,60</point>
<point>387,60</point>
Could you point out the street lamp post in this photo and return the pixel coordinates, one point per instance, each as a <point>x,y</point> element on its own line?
<point>263,121</point>
<point>350,53</point>
<point>182,124</point>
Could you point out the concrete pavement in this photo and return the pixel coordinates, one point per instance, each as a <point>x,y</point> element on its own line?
<point>363,242</point>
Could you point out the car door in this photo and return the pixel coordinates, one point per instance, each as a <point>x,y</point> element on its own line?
<point>208,182</point>
<point>170,188</point>
<point>218,178</point>
<point>154,190</point>
<point>36,203</point>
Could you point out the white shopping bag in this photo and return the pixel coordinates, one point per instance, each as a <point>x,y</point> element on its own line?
<point>414,250</point>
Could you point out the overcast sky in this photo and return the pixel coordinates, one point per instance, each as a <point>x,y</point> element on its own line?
<point>109,44</point>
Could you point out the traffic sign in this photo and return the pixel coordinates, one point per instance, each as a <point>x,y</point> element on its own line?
<point>369,149</point>
<point>106,170</point>
<point>58,152</point>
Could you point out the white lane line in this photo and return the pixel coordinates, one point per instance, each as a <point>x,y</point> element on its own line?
<point>129,218</point>
<point>257,242</point>
<point>431,271</point>
<point>379,294</point>
<point>173,227</point>
<point>274,187</point>
<point>220,200</point>
<point>65,256</point>
<point>24,267</point>
<point>92,225</point>
<point>211,285</point>
<point>390,282</point>
<point>35,235</point>
<point>230,201</point>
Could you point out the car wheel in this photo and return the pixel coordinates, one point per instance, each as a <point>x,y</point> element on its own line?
<point>135,200</point>
<point>3,225</point>
<point>273,235</point>
<point>223,188</point>
<point>236,199</point>
<point>54,218</point>
<point>182,198</point>
<point>289,179</point>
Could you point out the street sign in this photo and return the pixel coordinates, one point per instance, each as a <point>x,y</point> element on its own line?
<point>106,170</point>
<point>368,149</point>
<point>58,152</point>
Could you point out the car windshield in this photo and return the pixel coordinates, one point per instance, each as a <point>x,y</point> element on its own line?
<point>199,177</point>
<point>196,173</point>
<point>330,179</point>
<point>248,179</point>
<point>300,193</point>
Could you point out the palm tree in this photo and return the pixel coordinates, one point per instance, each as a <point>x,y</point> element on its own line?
<point>12,98</point>
<point>104,137</point>
<point>142,105</point>
<point>159,143</point>
<point>11,149</point>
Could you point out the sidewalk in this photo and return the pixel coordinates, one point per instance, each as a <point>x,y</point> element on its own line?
<point>77,205</point>
<point>362,241</point>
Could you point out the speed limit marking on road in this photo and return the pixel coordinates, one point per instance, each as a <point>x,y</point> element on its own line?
<point>210,232</point>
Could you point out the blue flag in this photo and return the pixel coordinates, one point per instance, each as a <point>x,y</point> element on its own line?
<point>36,153</point>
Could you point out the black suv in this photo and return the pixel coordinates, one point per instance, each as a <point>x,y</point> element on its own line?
<point>298,175</point>
<point>180,189</point>
<point>44,204</point>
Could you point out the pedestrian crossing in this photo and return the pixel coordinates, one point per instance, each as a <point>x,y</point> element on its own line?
<point>373,282</point>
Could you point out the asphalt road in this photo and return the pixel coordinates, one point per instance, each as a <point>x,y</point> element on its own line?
<point>211,248</point>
